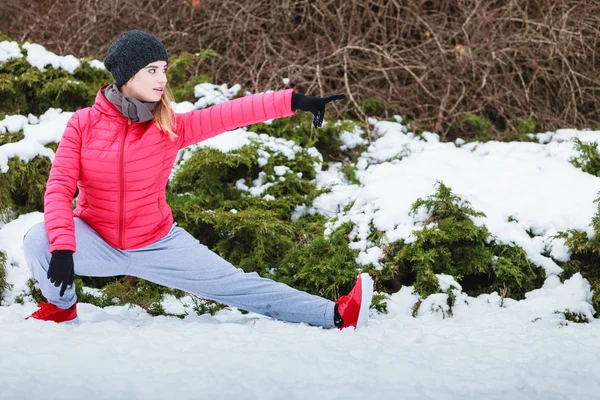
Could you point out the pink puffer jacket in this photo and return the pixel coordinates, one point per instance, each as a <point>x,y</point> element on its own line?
<point>122,168</point>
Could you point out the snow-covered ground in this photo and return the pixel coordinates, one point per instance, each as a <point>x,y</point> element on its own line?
<point>485,352</point>
<point>487,349</point>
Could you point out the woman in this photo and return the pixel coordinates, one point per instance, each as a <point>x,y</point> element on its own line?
<point>119,154</point>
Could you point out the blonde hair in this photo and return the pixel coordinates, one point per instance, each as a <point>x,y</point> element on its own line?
<point>163,115</point>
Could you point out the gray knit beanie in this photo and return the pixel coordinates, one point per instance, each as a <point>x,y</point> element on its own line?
<point>131,52</point>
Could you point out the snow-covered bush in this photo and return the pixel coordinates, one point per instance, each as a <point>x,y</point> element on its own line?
<point>451,243</point>
<point>181,82</point>
<point>27,87</point>
<point>585,253</point>
<point>588,158</point>
<point>328,139</point>
<point>22,187</point>
<point>33,80</point>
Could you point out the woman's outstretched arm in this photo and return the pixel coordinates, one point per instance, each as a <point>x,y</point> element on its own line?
<point>196,126</point>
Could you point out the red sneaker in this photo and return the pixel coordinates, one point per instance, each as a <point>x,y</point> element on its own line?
<point>354,307</point>
<point>49,312</point>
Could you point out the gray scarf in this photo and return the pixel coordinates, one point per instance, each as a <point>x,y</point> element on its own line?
<point>131,108</point>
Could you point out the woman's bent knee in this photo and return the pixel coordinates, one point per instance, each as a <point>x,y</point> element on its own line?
<point>36,239</point>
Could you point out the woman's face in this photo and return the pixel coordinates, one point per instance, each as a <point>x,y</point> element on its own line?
<point>148,84</point>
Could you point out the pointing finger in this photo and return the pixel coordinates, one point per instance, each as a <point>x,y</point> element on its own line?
<point>335,98</point>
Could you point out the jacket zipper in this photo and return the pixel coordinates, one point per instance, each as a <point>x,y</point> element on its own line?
<point>122,185</point>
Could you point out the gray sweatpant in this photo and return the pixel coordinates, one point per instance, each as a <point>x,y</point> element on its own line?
<point>178,261</point>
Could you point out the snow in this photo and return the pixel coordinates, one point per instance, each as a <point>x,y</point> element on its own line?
<point>13,123</point>
<point>484,351</point>
<point>9,50</point>
<point>480,347</point>
<point>210,94</point>
<point>40,58</point>
<point>352,139</point>
<point>281,170</point>
<point>97,64</point>
<point>49,129</point>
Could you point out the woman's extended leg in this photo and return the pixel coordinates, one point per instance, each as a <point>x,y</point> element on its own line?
<point>94,257</point>
<point>178,260</point>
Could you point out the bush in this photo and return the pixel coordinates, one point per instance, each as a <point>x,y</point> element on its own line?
<point>450,243</point>
<point>213,180</point>
<point>471,126</point>
<point>134,291</point>
<point>23,186</point>
<point>299,129</point>
<point>584,257</point>
<point>126,291</point>
<point>374,106</point>
<point>3,283</point>
<point>181,81</point>
<point>589,158</point>
<point>25,89</point>
<point>317,264</point>
<point>8,137</point>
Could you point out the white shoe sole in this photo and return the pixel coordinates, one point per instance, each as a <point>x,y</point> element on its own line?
<point>73,321</point>
<point>365,301</point>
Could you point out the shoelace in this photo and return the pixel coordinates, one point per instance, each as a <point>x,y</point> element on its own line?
<point>45,309</point>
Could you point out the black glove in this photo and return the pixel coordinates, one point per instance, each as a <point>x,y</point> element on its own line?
<point>315,105</point>
<point>61,270</point>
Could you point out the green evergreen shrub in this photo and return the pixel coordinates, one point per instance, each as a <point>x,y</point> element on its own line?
<point>205,306</point>
<point>35,291</point>
<point>299,129</point>
<point>476,126</point>
<point>8,137</point>
<point>252,239</point>
<point>135,291</point>
<point>585,252</point>
<point>589,158</point>
<point>574,317</point>
<point>181,80</point>
<point>524,126</point>
<point>317,264</point>
<point>126,291</point>
<point>4,37</point>
<point>25,89</point>
<point>23,186</point>
<point>522,130</point>
<point>209,180</point>
<point>450,243</point>
<point>3,283</point>
<point>349,171</point>
<point>374,106</point>
<point>379,302</point>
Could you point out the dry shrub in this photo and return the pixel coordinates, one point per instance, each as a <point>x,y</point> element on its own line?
<point>437,60</point>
